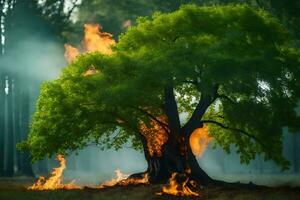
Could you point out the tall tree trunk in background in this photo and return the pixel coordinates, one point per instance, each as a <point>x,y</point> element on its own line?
<point>2,15</point>
<point>296,149</point>
<point>9,131</point>
<point>24,126</point>
<point>14,130</point>
<point>6,126</point>
<point>1,90</point>
<point>2,96</point>
<point>19,22</point>
<point>18,129</point>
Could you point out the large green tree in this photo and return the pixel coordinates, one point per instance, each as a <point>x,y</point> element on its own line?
<point>231,67</point>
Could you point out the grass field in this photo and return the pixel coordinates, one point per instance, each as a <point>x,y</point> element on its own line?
<point>16,190</point>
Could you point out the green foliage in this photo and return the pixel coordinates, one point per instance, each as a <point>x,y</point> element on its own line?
<point>245,51</point>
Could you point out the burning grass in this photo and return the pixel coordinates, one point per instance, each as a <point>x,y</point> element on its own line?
<point>15,189</point>
<point>55,181</point>
<point>122,187</point>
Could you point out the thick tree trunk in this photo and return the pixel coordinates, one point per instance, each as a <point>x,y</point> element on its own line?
<point>161,167</point>
<point>172,160</point>
<point>2,121</point>
<point>176,154</point>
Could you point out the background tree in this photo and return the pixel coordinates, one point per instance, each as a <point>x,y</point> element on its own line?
<point>116,16</point>
<point>20,21</point>
<point>286,11</point>
<point>233,68</point>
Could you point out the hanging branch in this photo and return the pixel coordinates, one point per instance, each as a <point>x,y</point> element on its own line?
<point>223,96</point>
<point>74,6</point>
<point>236,130</point>
<point>162,124</point>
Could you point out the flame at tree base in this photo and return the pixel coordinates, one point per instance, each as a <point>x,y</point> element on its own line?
<point>123,180</point>
<point>179,185</point>
<point>135,181</point>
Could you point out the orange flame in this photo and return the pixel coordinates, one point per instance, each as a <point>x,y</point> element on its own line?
<point>54,182</point>
<point>71,53</point>
<point>126,23</point>
<point>199,140</point>
<point>135,181</point>
<point>114,181</point>
<point>156,136</point>
<point>183,189</point>
<point>123,180</point>
<point>93,40</point>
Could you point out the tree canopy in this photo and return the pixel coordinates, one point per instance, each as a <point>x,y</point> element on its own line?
<point>242,57</point>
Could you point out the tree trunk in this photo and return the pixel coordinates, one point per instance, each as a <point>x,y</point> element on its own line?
<point>196,172</point>
<point>160,167</point>
<point>2,124</point>
<point>172,160</point>
<point>176,154</point>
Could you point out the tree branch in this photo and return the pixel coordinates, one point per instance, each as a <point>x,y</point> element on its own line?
<point>174,39</point>
<point>236,130</point>
<point>152,117</point>
<point>171,110</point>
<point>163,125</point>
<point>204,103</point>
<point>223,96</point>
<point>191,82</point>
<point>72,8</point>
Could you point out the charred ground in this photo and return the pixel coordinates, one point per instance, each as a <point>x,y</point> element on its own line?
<point>16,189</point>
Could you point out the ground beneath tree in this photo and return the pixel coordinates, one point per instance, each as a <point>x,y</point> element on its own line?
<point>15,189</point>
